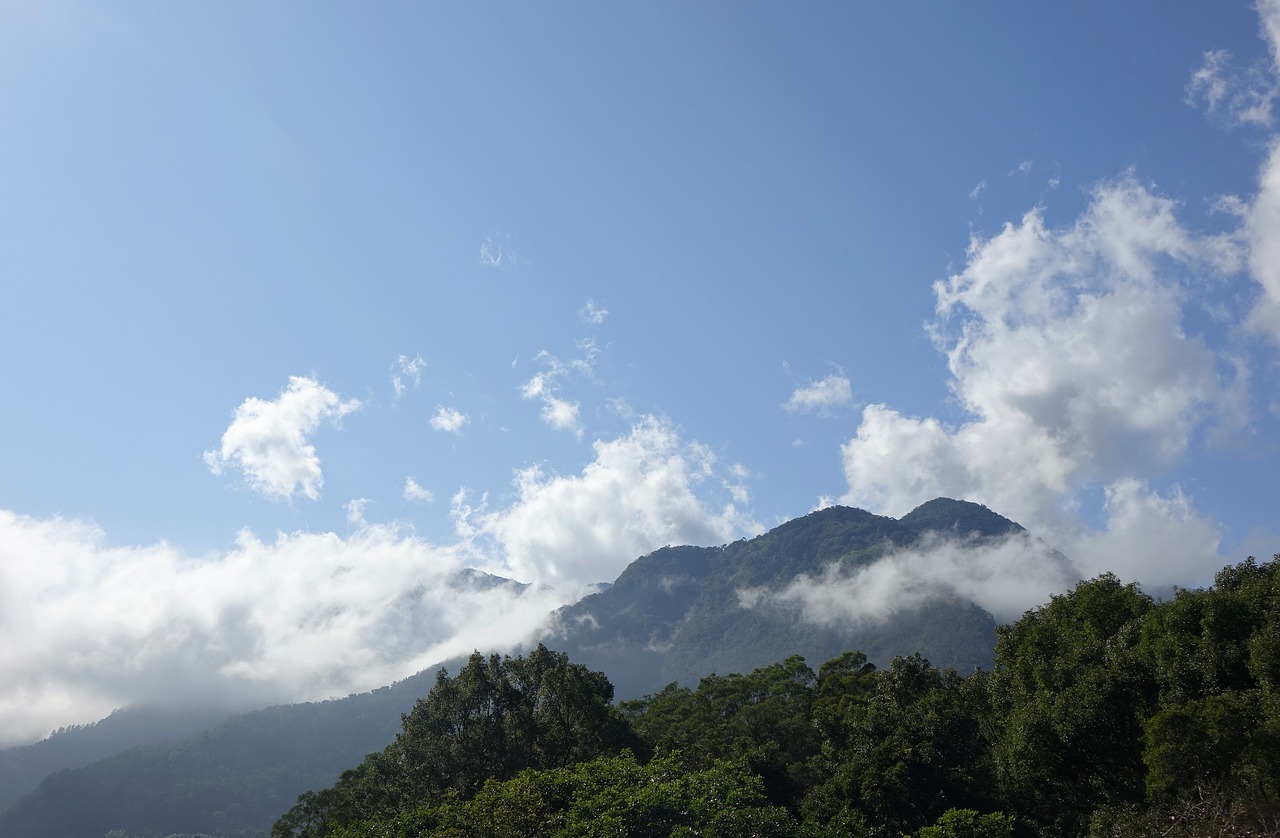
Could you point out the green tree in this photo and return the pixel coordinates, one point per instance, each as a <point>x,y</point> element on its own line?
<point>907,753</point>
<point>497,717</point>
<point>1068,694</point>
<point>763,718</point>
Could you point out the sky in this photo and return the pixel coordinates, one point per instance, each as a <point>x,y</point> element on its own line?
<point>305,308</point>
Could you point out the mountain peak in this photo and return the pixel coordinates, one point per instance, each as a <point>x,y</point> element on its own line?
<point>962,517</point>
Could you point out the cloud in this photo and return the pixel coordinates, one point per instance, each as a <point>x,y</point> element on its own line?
<point>558,412</point>
<point>593,314</point>
<point>1005,577</point>
<point>1261,222</point>
<point>415,493</point>
<point>821,396</point>
<point>639,493</point>
<point>496,252</point>
<point>410,369</point>
<point>1240,96</point>
<point>1157,539</point>
<point>86,628</point>
<point>448,419</point>
<point>267,440</point>
<point>977,190</point>
<point>1041,334</point>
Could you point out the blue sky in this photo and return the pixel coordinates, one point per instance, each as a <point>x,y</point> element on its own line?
<point>305,307</point>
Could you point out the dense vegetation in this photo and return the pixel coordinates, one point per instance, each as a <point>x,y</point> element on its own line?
<point>1105,714</point>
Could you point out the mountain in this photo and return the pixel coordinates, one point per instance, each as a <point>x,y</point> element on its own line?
<point>22,767</point>
<point>234,779</point>
<point>676,614</point>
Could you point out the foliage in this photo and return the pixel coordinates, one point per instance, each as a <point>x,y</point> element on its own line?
<point>905,751</point>
<point>497,717</point>
<point>608,796</point>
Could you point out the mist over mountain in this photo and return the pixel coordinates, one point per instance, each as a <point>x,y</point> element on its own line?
<point>676,614</point>
<point>682,612</point>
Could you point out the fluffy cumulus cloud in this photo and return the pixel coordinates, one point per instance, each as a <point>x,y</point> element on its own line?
<point>86,628</point>
<point>449,419</point>
<point>268,442</point>
<point>639,493</point>
<point>821,397</point>
<point>1069,356</point>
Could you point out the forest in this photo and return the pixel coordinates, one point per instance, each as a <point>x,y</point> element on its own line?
<point>1105,713</point>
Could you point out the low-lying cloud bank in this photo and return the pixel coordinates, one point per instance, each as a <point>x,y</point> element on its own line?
<point>86,628</point>
<point>1004,576</point>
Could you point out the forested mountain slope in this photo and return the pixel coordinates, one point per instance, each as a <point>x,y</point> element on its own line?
<point>22,767</point>
<point>677,614</point>
<point>1106,714</point>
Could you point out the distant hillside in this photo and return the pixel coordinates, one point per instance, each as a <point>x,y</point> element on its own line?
<point>676,614</point>
<point>22,767</point>
<point>232,779</point>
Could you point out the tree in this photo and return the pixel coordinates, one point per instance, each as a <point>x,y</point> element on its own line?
<point>1068,692</point>
<point>497,717</point>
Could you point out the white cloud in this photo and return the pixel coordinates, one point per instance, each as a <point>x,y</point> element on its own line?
<point>1041,331</point>
<point>1240,96</point>
<point>496,252</point>
<point>449,419</point>
<point>558,412</point>
<point>416,493</point>
<point>638,494</point>
<point>1261,223</point>
<point>267,440</point>
<point>1005,577</point>
<point>86,628</point>
<point>821,396</point>
<point>1157,539</point>
<point>561,414</point>
<point>593,314</point>
<point>977,190</point>
<point>410,368</point>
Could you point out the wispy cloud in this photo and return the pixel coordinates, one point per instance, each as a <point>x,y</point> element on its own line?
<point>558,412</point>
<point>821,397</point>
<point>592,313</point>
<point>1240,96</point>
<point>267,441</point>
<point>407,368</point>
<point>496,252</point>
<point>415,493</point>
